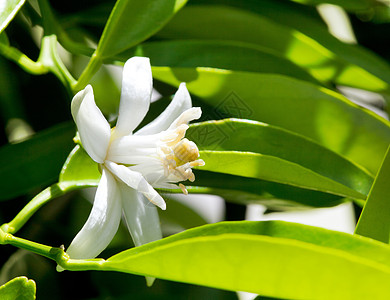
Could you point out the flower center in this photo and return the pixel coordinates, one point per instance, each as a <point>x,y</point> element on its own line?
<point>179,159</point>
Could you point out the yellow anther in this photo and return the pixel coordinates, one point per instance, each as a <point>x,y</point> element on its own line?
<point>185,151</point>
<point>183,189</point>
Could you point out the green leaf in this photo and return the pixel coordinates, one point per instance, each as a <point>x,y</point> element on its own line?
<point>79,170</point>
<point>271,141</point>
<point>8,10</point>
<point>246,190</point>
<point>217,54</point>
<point>270,168</point>
<point>320,114</point>
<point>133,21</point>
<point>218,22</point>
<point>307,21</point>
<point>34,162</point>
<point>276,259</point>
<point>19,288</point>
<point>374,221</point>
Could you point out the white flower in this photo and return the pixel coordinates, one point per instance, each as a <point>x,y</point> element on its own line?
<point>132,164</point>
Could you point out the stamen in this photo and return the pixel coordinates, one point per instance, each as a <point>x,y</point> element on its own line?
<point>183,189</point>
<point>197,163</point>
<point>180,133</point>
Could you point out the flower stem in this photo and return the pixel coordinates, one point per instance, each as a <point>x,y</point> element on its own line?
<point>27,64</point>
<point>28,211</point>
<point>49,57</point>
<point>49,54</point>
<point>55,253</point>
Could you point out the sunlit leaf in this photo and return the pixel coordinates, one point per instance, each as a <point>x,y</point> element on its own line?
<point>19,288</point>
<point>8,10</point>
<point>246,190</point>
<point>79,170</point>
<point>281,260</point>
<point>133,21</point>
<point>217,54</point>
<point>255,137</point>
<point>307,21</point>
<point>374,222</point>
<point>219,22</point>
<point>270,168</point>
<point>292,155</point>
<point>320,114</point>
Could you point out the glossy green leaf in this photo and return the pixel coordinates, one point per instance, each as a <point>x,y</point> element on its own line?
<point>271,141</point>
<point>301,177</point>
<point>219,22</point>
<point>282,259</point>
<point>320,114</point>
<point>79,170</point>
<point>34,162</point>
<point>374,221</point>
<point>270,168</point>
<point>133,21</point>
<point>307,21</point>
<point>19,288</point>
<point>217,54</point>
<point>8,10</point>
<point>246,190</point>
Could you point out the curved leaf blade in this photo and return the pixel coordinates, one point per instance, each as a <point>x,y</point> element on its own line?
<point>265,139</point>
<point>217,54</point>
<point>18,288</point>
<point>270,168</point>
<point>219,22</point>
<point>8,10</point>
<point>320,114</point>
<point>281,260</point>
<point>81,171</point>
<point>374,221</point>
<point>133,21</point>
<point>34,162</point>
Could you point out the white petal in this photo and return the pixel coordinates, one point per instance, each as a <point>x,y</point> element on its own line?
<point>133,149</point>
<point>141,216</point>
<point>137,85</point>
<point>93,128</point>
<point>187,116</point>
<point>102,223</point>
<point>136,181</point>
<point>180,103</point>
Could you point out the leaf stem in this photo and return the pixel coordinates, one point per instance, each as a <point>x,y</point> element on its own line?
<point>93,66</point>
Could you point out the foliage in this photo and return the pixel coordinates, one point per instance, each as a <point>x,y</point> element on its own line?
<point>279,129</point>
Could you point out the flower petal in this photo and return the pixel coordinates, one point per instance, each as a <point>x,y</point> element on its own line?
<point>93,128</point>
<point>102,223</point>
<point>141,216</point>
<point>137,86</point>
<point>180,103</point>
<point>136,181</point>
<point>187,116</point>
